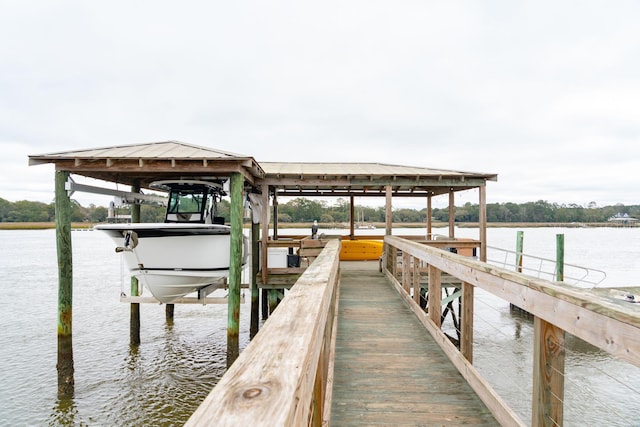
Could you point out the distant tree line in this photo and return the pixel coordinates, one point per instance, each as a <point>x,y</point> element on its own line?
<point>26,211</point>
<point>308,210</point>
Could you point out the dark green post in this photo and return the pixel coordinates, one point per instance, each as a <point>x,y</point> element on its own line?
<point>255,266</point>
<point>265,304</point>
<point>519,248</point>
<point>560,257</point>
<point>272,297</point>
<point>65,286</point>
<point>235,268</point>
<point>168,313</point>
<point>134,317</point>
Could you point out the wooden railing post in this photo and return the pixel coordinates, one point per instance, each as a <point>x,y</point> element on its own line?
<point>416,280</point>
<point>466,325</point>
<point>435,296</point>
<point>406,271</point>
<point>548,374</point>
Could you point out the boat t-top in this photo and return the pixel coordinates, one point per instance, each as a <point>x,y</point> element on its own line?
<point>188,252</point>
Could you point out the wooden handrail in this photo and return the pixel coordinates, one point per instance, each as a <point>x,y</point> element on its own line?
<point>612,327</point>
<point>281,378</point>
<point>571,309</point>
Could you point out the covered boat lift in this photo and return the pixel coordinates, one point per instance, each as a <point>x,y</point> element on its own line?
<point>138,165</point>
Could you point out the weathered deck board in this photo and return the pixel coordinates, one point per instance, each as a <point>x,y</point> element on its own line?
<point>388,370</point>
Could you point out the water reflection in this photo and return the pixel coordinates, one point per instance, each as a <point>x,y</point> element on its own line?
<point>66,382</point>
<point>64,413</point>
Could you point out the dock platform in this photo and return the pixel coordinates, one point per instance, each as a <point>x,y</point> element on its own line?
<point>388,370</point>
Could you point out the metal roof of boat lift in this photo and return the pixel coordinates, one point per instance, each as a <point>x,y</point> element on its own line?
<point>367,179</point>
<point>148,162</point>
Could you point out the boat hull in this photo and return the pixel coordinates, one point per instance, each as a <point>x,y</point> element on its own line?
<point>173,260</point>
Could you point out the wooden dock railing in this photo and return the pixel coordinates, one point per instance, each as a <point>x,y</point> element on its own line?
<point>556,308</point>
<point>281,378</point>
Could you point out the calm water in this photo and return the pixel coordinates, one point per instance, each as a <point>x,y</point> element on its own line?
<point>160,383</point>
<point>165,379</point>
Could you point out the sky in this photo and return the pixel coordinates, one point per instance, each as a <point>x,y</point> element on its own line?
<point>546,94</point>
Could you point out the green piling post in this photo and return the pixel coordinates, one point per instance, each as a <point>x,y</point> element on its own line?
<point>134,316</point>
<point>560,257</point>
<point>265,303</point>
<point>235,268</point>
<point>168,313</point>
<point>519,249</point>
<point>255,266</point>
<point>65,286</point>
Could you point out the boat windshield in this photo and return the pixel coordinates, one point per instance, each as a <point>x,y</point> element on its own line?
<point>186,206</point>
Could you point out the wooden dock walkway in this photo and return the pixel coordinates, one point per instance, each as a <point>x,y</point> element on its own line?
<point>388,370</point>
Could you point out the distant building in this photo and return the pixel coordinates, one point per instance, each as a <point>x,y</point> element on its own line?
<point>622,218</point>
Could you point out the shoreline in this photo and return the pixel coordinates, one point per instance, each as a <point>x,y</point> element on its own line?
<point>379,226</point>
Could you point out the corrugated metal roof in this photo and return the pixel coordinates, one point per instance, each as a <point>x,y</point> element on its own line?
<point>150,150</point>
<point>147,162</point>
<point>361,169</point>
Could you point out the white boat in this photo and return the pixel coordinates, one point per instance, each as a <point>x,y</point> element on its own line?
<point>188,252</point>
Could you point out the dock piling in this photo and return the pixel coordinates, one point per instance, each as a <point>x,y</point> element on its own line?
<point>255,267</point>
<point>134,310</point>
<point>66,383</point>
<point>168,313</point>
<point>235,267</point>
<point>560,257</point>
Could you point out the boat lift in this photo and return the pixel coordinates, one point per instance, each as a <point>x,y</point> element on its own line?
<point>128,197</point>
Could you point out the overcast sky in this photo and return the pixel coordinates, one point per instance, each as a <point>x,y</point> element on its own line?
<point>544,93</point>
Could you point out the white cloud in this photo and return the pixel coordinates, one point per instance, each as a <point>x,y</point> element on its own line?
<point>542,93</point>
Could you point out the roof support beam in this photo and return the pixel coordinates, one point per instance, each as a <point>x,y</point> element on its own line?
<point>388,211</point>
<point>452,214</point>
<point>408,181</point>
<point>482,220</point>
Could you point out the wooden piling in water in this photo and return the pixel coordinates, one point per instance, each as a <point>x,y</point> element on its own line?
<point>134,316</point>
<point>519,248</point>
<point>235,267</point>
<point>272,298</point>
<point>169,311</point>
<point>264,249</point>
<point>560,257</point>
<point>65,367</point>
<point>264,303</point>
<point>518,263</point>
<point>255,267</point>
